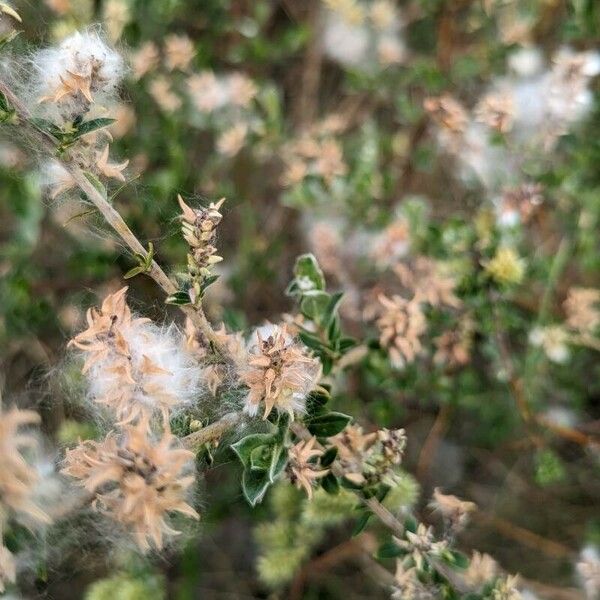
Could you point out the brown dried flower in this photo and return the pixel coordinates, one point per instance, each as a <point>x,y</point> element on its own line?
<point>17,477</point>
<point>279,373</point>
<point>496,111</point>
<point>135,481</point>
<point>179,51</point>
<point>300,470</point>
<point>454,510</point>
<point>401,323</point>
<point>447,112</point>
<point>583,309</point>
<point>428,281</point>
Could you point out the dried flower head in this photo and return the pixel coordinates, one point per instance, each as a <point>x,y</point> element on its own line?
<point>369,458</point>
<point>506,589</point>
<point>135,368</point>
<point>232,140</point>
<point>454,510</point>
<point>453,347</point>
<point>163,94</point>
<point>135,481</point>
<point>496,111</point>
<point>17,476</point>
<point>179,52</point>
<point>145,60</point>
<point>429,281</point>
<point>421,545</point>
<point>408,586</point>
<point>79,71</point>
<point>448,113</point>
<point>482,569</point>
<point>300,469</point>
<point>401,323</point>
<point>583,310</point>
<point>279,373</point>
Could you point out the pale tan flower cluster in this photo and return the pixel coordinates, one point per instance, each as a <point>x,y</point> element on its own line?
<point>178,53</point>
<point>17,480</point>
<point>315,154</point>
<point>408,586</point>
<point>78,79</point>
<point>496,110</point>
<point>209,92</point>
<point>453,347</point>
<point>454,511</point>
<point>401,324</point>
<point>136,481</point>
<point>421,545</point>
<point>369,458</point>
<point>140,372</point>
<point>300,470</point>
<point>199,229</point>
<point>506,589</point>
<point>531,106</point>
<point>363,35</point>
<point>481,570</point>
<point>391,244</point>
<point>279,373</point>
<point>583,310</point>
<point>134,368</point>
<point>429,282</point>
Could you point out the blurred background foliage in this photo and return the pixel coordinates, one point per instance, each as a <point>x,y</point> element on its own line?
<point>537,490</point>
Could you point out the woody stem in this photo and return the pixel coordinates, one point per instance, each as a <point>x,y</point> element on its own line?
<point>111,216</point>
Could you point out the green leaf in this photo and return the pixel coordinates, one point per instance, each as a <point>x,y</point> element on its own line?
<point>314,304</point>
<point>361,523</point>
<point>308,274</point>
<point>328,424</point>
<point>389,550</point>
<point>330,484</point>
<point>255,485</point>
<point>279,459</point>
<point>49,127</point>
<point>133,272</point>
<point>311,341</point>
<point>98,185</point>
<point>244,447</point>
<point>179,298</point>
<point>456,559</point>
<point>331,309</point>
<point>93,125</point>
<point>328,456</point>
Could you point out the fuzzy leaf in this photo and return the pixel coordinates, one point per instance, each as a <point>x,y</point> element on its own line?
<point>93,125</point>
<point>255,485</point>
<point>330,484</point>
<point>361,523</point>
<point>246,445</point>
<point>328,424</point>
<point>389,550</point>
<point>308,274</point>
<point>179,298</point>
<point>328,456</point>
<point>96,183</point>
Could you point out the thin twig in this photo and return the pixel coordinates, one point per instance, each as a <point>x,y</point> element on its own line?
<point>213,432</point>
<point>110,214</point>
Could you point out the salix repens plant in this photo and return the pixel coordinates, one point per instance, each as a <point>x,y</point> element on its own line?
<point>399,310</point>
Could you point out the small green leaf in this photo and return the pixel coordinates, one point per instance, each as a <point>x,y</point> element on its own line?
<point>328,456</point>
<point>330,484</point>
<point>255,485</point>
<point>328,424</point>
<point>308,274</point>
<point>133,272</point>
<point>96,183</point>
<point>179,298</point>
<point>314,305</point>
<point>389,550</point>
<point>361,523</point>
<point>93,125</point>
<point>311,341</point>
<point>244,447</point>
